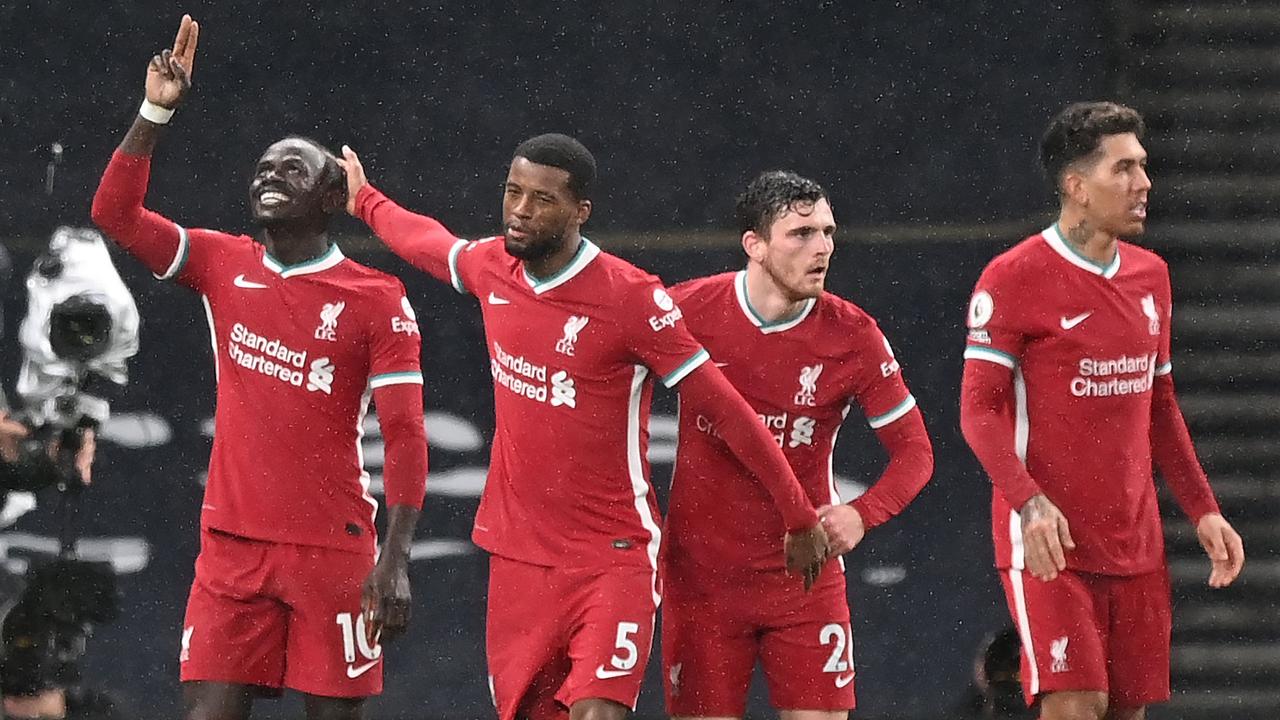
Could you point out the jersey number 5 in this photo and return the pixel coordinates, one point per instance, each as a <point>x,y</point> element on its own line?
<point>630,653</point>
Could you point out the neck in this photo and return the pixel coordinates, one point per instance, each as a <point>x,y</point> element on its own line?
<point>292,245</point>
<point>545,267</point>
<point>770,301</point>
<point>1087,238</point>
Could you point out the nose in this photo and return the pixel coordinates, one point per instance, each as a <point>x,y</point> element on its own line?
<point>522,207</point>
<point>828,244</point>
<point>1143,179</point>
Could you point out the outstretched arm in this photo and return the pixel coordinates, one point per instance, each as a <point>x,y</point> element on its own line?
<point>117,205</point>
<point>419,240</point>
<point>707,392</point>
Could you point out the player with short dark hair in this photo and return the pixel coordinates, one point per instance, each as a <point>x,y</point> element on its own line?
<point>1067,399</point>
<point>575,338</point>
<point>802,357</point>
<point>289,589</point>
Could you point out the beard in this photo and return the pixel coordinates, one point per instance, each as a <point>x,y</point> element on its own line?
<point>535,247</point>
<point>792,291</point>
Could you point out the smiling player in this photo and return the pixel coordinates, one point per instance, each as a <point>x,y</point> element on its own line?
<point>287,592</point>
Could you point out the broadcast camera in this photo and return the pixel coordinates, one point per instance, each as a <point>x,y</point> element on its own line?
<point>80,330</point>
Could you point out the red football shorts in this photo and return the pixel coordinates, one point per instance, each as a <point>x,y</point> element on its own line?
<point>556,636</point>
<point>1093,632</point>
<point>279,616</point>
<point>712,638</point>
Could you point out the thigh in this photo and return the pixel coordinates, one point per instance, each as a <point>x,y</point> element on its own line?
<point>708,652</point>
<point>1063,628</point>
<point>1141,624</point>
<point>807,654</point>
<point>526,639</point>
<point>611,613</point>
<point>234,631</point>
<point>328,652</point>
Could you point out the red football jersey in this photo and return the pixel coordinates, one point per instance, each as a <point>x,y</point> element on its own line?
<point>1085,343</point>
<point>801,376</point>
<point>573,358</point>
<point>298,351</point>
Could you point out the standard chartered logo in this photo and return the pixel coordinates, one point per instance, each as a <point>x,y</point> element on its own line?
<point>321,376</point>
<point>562,390</point>
<point>1096,376</point>
<point>802,431</point>
<point>530,380</point>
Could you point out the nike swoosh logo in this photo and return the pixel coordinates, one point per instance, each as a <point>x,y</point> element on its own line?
<point>354,672</point>
<point>1068,323</point>
<point>843,681</point>
<point>240,282</point>
<point>604,674</point>
<point>495,300</point>
<point>720,364</point>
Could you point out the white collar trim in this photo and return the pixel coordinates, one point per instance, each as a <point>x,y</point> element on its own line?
<point>1052,236</point>
<point>587,251</point>
<point>744,303</point>
<point>330,258</point>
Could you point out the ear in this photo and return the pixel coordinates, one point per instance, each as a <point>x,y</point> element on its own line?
<point>584,211</point>
<point>754,245</point>
<point>1073,188</point>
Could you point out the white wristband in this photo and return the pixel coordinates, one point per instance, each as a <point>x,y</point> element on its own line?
<point>155,113</point>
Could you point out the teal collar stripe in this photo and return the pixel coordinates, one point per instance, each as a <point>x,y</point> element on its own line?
<point>744,302</point>
<point>1053,235</point>
<point>587,251</point>
<point>330,258</point>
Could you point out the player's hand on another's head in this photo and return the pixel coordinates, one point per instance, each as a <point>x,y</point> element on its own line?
<point>385,599</point>
<point>169,73</point>
<point>1224,547</point>
<point>844,527</point>
<point>1046,538</point>
<point>805,551</point>
<point>355,176</point>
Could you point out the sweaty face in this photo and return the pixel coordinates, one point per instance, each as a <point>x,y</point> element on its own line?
<point>287,183</point>
<point>538,209</point>
<point>1115,188</point>
<point>799,247</point>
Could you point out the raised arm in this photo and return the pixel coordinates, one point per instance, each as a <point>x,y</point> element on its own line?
<point>117,205</point>
<point>419,240</point>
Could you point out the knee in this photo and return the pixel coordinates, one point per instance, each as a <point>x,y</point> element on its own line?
<point>1074,705</point>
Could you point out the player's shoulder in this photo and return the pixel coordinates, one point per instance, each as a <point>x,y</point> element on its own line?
<point>703,289</point>
<point>1030,253</point>
<point>224,240</point>
<point>370,279</point>
<point>1141,257</point>
<point>840,310</point>
<point>622,276</point>
<point>843,321</point>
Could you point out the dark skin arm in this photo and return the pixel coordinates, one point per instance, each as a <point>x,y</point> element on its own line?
<point>168,80</point>
<point>385,598</point>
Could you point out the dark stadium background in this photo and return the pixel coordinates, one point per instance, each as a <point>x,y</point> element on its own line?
<point>921,119</point>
